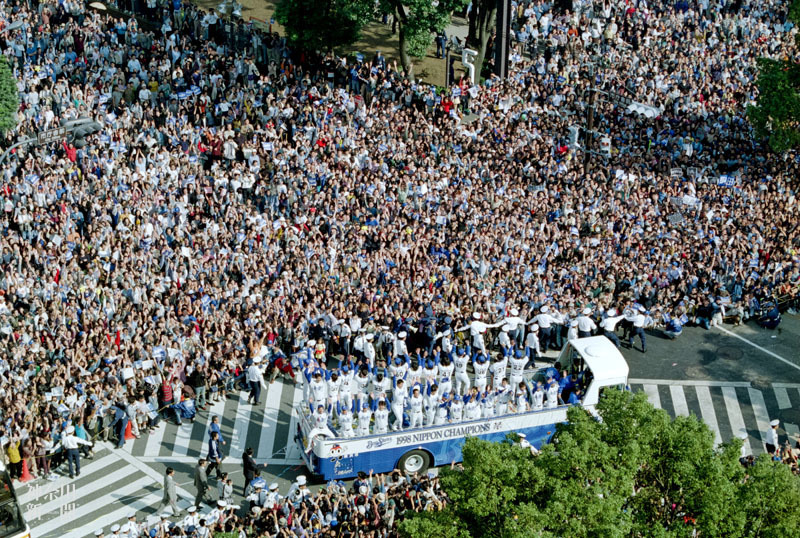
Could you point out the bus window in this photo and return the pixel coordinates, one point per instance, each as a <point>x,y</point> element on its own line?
<point>11,521</point>
<point>620,386</point>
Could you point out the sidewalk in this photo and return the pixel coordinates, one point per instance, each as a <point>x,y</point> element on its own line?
<point>376,36</point>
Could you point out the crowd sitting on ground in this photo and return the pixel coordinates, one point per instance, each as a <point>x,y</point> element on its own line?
<point>243,195</point>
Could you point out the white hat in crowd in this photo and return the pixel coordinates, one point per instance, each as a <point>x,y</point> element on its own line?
<point>476,315</point>
<point>587,311</point>
<point>775,423</point>
<point>301,480</point>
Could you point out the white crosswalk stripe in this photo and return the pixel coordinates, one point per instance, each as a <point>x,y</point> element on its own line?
<point>268,428</point>
<point>652,395</point>
<point>707,412</point>
<point>45,502</point>
<point>760,410</point>
<point>240,427</point>
<point>729,409</point>
<point>782,395</point>
<point>679,401</point>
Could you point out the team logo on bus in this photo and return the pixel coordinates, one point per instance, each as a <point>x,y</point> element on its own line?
<point>378,442</point>
<point>337,452</point>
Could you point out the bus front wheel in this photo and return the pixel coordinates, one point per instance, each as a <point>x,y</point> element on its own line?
<point>415,461</point>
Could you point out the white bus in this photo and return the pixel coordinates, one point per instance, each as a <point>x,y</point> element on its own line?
<point>415,450</point>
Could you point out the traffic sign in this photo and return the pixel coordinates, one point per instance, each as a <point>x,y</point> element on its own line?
<point>52,135</point>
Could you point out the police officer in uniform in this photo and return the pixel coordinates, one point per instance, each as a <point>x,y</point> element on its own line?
<point>772,437</point>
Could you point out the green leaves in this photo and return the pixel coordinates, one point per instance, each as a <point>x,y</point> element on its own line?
<point>776,114</point>
<point>323,24</point>
<point>9,97</point>
<point>420,20</point>
<point>637,473</point>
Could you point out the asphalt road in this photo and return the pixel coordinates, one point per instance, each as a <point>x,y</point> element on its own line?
<point>758,356</point>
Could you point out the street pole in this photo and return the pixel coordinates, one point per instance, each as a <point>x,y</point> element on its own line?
<point>7,152</point>
<point>587,155</point>
<point>447,80</point>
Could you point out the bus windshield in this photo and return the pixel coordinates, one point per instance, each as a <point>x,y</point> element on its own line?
<point>11,522</point>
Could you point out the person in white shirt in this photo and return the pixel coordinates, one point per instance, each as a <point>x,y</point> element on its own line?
<point>456,408</point>
<point>538,397</point>
<point>476,330</point>
<point>572,332</point>
<point>346,375</point>
<point>638,319</point>
<point>381,417</point>
<point>254,379</point>
<point>399,397</point>
<point>771,439</point>
<point>415,405</point>
<point>517,364</point>
<point>586,324</point>
<point>460,361</point>
<point>532,344</point>
<point>70,442</point>
<point>480,365</point>
<point>445,374</point>
<point>545,320</point>
<point>498,370</point>
<point>432,401</point>
<point>400,349</point>
<point>609,325</point>
<point>503,395</point>
<point>504,340</point>
<point>552,393</point>
<point>364,419</point>
<point>369,350</point>
<point>516,326</point>
<point>345,418</point>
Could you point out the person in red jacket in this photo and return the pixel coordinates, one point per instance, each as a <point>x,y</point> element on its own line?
<point>72,153</point>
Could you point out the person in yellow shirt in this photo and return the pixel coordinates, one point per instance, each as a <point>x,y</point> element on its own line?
<point>14,458</point>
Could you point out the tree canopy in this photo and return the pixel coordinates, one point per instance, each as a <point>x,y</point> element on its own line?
<point>323,24</point>
<point>636,473</point>
<point>419,21</point>
<point>9,97</point>
<point>776,114</point>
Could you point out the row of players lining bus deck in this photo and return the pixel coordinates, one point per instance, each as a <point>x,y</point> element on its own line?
<point>405,398</point>
<point>338,441</point>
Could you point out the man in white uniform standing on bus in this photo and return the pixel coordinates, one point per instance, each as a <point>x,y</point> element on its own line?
<point>415,405</point>
<point>460,361</point>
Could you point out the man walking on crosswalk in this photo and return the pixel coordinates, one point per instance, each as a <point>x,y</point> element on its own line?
<point>200,482</point>
<point>170,493</point>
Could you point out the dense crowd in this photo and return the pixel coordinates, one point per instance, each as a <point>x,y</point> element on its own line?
<point>371,507</point>
<point>244,199</point>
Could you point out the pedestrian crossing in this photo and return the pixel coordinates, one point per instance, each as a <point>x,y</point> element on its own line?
<point>729,409</point>
<point>264,427</point>
<point>117,482</point>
